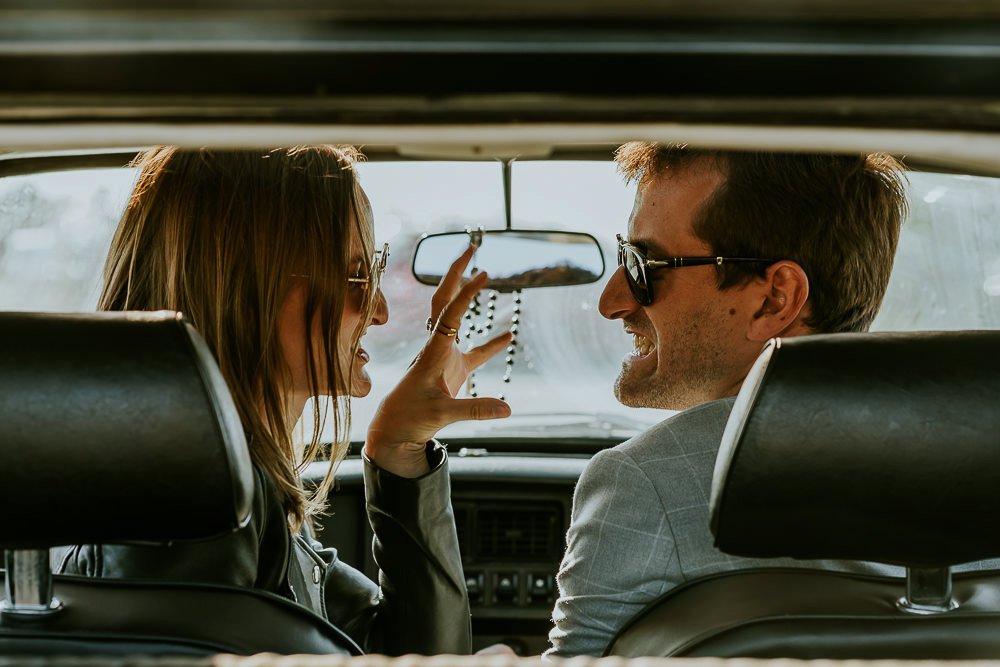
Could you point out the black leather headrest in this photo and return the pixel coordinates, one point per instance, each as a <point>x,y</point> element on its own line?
<point>881,447</point>
<point>115,427</point>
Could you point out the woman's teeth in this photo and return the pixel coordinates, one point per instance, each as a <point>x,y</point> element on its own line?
<point>361,353</point>
<point>643,345</point>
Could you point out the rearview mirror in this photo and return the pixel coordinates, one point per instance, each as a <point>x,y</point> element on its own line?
<point>515,259</point>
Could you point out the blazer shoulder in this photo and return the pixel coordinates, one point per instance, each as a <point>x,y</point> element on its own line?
<point>703,423</point>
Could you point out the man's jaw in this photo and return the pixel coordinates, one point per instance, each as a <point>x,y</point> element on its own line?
<point>636,385</point>
<point>641,383</point>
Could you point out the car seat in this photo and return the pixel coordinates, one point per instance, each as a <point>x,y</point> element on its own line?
<point>118,428</point>
<point>874,447</point>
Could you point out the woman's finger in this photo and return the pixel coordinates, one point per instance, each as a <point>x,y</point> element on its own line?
<point>451,317</point>
<point>480,354</point>
<point>450,283</point>
<point>478,409</point>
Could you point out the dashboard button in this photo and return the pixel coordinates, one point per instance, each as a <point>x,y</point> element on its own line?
<point>540,588</point>
<point>505,587</point>
<point>475,584</point>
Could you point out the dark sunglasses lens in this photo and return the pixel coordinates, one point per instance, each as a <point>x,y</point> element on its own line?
<point>634,274</point>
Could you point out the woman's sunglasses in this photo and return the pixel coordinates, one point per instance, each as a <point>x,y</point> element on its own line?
<point>637,267</point>
<point>370,283</point>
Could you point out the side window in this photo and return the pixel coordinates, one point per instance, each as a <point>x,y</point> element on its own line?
<point>947,269</point>
<point>55,229</point>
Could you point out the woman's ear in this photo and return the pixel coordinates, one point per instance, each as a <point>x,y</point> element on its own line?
<point>783,296</point>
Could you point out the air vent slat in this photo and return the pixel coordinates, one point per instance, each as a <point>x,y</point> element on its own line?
<point>518,533</point>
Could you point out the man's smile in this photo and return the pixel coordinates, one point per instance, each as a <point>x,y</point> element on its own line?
<point>642,346</point>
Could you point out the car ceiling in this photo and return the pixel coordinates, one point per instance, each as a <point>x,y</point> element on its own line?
<point>518,78</point>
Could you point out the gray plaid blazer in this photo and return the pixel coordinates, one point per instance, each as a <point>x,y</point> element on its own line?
<point>640,527</point>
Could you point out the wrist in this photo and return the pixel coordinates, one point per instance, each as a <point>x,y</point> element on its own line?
<point>404,459</point>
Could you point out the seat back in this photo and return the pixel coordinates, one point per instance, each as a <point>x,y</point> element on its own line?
<point>118,428</point>
<point>813,615</point>
<point>118,617</point>
<point>871,447</point>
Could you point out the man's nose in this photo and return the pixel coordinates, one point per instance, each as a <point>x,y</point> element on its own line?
<point>616,299</point>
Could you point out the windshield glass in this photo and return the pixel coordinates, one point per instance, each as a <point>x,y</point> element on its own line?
<point>55,228</point>
<point>567,355</point>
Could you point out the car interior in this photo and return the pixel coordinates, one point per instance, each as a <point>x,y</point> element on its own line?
<point>497,123</point>
<point>821,460</point>
<point>154,382</point>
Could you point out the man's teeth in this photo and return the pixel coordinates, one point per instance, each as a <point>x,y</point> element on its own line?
<point>643,345</point>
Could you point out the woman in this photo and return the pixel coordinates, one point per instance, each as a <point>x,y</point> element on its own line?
<point>270,255</point>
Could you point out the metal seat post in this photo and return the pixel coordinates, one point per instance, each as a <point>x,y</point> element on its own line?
<point>928,591</point>
<point>28,584</point>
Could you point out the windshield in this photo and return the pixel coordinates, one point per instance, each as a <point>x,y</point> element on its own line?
<point>55,229</point>
<point>550,390</point>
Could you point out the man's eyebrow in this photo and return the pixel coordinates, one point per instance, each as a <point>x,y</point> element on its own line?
<point>651,248</point>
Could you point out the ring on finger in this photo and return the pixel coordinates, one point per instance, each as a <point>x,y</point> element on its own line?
<point>445,330</point>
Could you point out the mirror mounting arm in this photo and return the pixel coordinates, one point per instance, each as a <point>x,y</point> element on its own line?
<point>508,168</point>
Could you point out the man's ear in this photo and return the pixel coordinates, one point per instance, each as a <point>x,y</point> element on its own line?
<point>783,294</point>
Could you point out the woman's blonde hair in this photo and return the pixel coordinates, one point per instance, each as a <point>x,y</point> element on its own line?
<point>220,235</point>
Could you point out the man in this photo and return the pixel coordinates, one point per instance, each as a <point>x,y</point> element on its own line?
<point>807,243</point>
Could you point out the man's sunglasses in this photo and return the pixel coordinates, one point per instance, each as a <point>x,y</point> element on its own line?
<point>637,267</point>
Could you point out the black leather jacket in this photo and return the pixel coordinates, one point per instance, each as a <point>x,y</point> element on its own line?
<point>420,605</point>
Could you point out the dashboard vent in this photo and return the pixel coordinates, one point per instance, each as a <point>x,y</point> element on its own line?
<point>518,532</point>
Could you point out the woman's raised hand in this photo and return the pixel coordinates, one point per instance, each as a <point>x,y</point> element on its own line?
<point>424,400</point>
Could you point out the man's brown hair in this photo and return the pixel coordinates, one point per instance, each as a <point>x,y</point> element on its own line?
<point>837,216</point>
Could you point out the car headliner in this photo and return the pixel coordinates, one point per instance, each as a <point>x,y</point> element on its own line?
<point>441,79</point>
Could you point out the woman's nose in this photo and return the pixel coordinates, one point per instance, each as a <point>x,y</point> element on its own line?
<point>381,313</point>
<point>616,299</point>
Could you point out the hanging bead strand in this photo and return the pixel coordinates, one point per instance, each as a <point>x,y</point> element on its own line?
<point>475,327</point>
<point>515,325</point>
<point>491,308</point>
<point>470,327</point>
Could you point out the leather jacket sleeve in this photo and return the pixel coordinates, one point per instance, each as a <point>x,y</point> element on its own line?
<point>420,605</point>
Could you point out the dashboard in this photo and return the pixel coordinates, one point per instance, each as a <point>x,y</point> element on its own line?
<point>511,511</point>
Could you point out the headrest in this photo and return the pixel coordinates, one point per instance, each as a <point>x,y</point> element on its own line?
<point>115,427</point>
<point>881,447</point>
